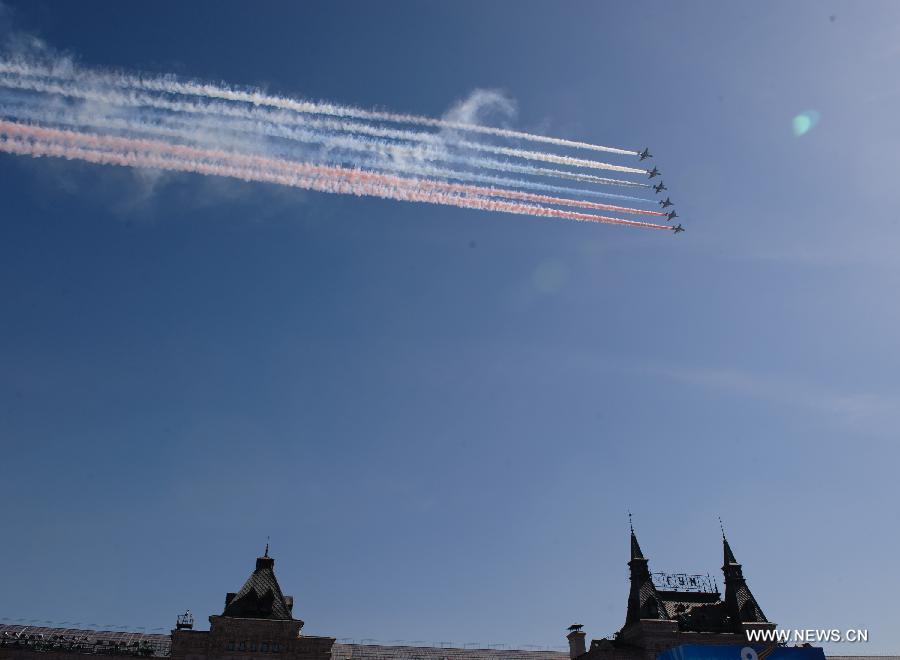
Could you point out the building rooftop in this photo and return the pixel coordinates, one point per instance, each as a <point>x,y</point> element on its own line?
<point>101,642</point>
<point>110,642</point>
<point>260,597</point>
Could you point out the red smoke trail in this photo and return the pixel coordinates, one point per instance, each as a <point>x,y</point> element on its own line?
<point>284,123</point>
<point>38,141</point>
<point>170,129</point>
<point>106,142</point>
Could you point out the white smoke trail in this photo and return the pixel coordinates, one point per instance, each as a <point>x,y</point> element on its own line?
<point>36,141</point>
<point>282,120</point>
<point>156,147</point>
<point>423,169</point>
<point>272,124</point>
<point>170,85</point>
<point>171,127</point>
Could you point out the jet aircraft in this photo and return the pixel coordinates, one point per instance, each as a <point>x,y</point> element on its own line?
<point>677,229</point>
<point>659,187</point>
<point>645,154</point>
<point>654,172</point>
<point>671,215</point>
<point>667,202</point>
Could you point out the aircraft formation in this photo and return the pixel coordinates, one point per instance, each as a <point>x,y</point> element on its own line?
<point>61,110</point>
<point>658,188</point>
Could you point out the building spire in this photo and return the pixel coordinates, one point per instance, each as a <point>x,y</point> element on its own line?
<point>635,546</point>
<point>643,602</point>
<point>729,555</point>
<point>267,547</point>
<point>739,601</point>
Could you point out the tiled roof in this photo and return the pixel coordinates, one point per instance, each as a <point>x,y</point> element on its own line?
<point>105,642</point>
<point>260,597</point>
<point>695,610</point>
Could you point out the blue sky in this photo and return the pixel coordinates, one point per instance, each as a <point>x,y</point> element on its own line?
<point>441,416</point>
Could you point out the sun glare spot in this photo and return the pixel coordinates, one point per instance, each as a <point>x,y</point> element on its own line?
<point>804,122</point>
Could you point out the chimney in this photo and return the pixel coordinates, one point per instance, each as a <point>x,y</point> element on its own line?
<point>576,641</point>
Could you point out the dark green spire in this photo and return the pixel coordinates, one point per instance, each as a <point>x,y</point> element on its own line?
<point>729,555</point>
<point>635,547</point>
<point>739,601</point>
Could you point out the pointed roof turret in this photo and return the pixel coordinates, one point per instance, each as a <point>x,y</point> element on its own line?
<point>729,555</point>
<point>643,601</point>
<point>635,546</point>
<point>260,597</point>
<point>739,601</point>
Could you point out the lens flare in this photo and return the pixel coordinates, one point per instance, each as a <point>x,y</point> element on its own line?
<point>805,121</point>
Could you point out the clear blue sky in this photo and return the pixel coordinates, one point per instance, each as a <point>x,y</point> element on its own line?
<point>443,440</point>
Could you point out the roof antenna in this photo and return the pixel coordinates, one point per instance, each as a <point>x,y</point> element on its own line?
<point>267,547</point>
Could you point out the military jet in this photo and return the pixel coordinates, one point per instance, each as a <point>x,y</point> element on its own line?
<point>666,203</point>
<point>671,215</point>
<point>677,229</point>
<point>654,172</point>
<point>659,187</point>
<point>645,154</point>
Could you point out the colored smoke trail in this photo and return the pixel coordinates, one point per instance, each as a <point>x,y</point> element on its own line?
<point>169,85</point>
<point>220,130</point>
<point>503,182</point>
<point>154,124</point>
<point>195,154</point>
<point>279,125</point>
<point>187,130</point>
<point>37,141</point>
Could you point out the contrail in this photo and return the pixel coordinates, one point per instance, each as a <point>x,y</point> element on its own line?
<point>187,129</point>
<point>109,142</point>
<point>39,148</point>
<point>36,141</point>
<point>168,127</point>
<point>170,85</point>
<point>423,169</point>
<point>282,119</point>
<point>277,121</point>
<point>318,146</point>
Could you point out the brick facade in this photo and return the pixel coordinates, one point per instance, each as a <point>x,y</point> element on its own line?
<point>231,638</point>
